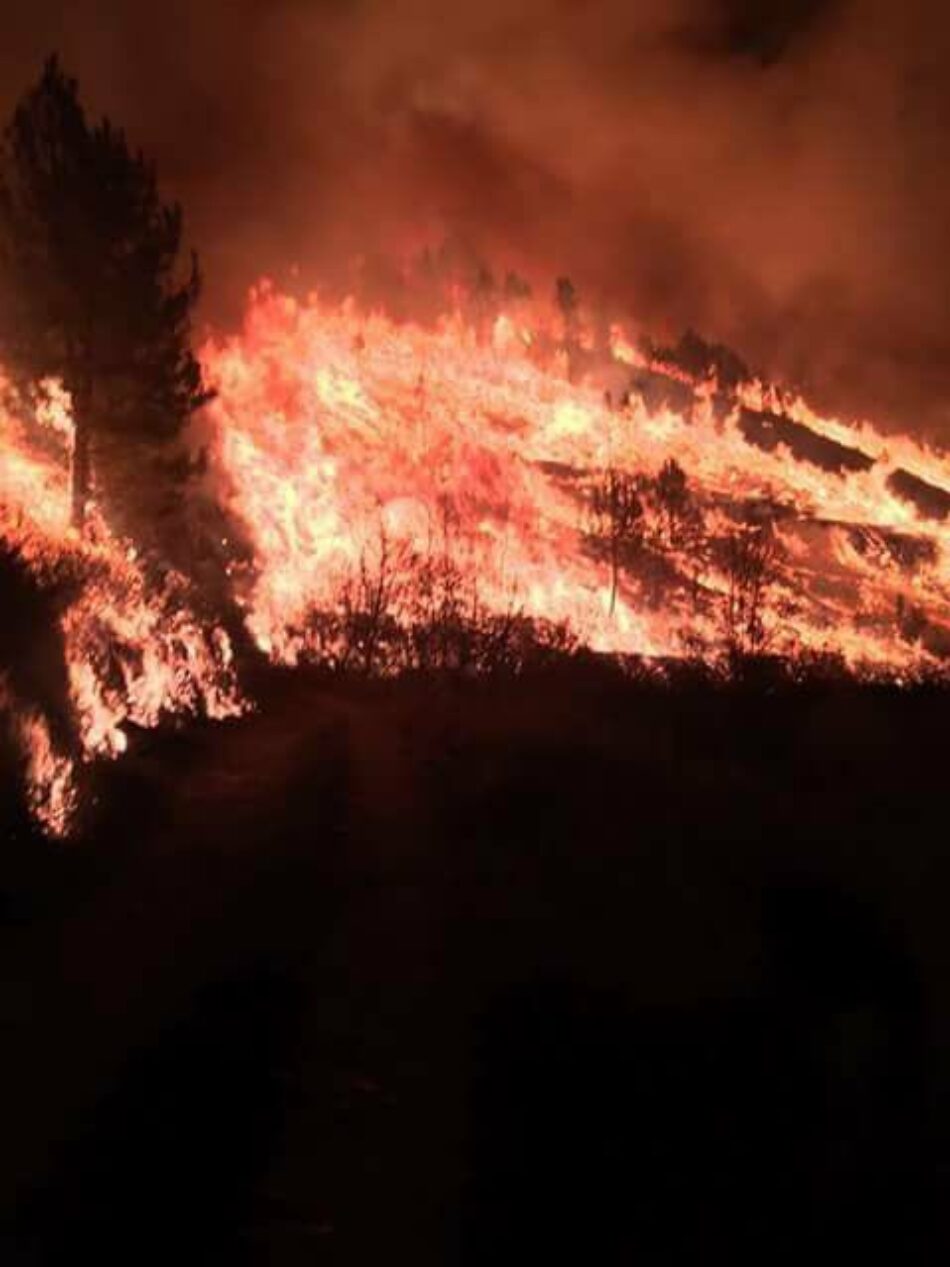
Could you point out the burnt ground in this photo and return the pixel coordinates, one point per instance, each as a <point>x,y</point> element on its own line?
<point>486,974</point>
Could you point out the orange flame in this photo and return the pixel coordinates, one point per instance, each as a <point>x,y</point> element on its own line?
<point>334,427</point>
<point>350,446</point>
<point>134,651</point>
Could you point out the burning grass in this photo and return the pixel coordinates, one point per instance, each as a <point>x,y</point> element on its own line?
<point>472,496</point>
<point>85,619</point>
<point>336,430</point>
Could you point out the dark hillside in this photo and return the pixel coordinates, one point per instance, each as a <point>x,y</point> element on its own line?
<point>480,973</point>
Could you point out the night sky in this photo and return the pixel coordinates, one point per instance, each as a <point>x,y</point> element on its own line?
<point>773,174</point>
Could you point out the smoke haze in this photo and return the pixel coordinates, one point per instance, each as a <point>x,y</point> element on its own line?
<point>772,174</point>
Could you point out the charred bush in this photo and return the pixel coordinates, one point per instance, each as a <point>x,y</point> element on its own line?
<point>750,560</point>
<point>694,356</point>
<point>672,496</point>
<point>408,612</point>
<point>676,519</point>
<point>617,518</point>
<point>651,525</point>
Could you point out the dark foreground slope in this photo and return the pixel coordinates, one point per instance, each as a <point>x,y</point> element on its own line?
<point>489,974</point>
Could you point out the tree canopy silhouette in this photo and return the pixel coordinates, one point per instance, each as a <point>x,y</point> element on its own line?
<point>92,292</point>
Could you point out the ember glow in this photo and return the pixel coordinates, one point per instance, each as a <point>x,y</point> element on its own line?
<point>503,470</point>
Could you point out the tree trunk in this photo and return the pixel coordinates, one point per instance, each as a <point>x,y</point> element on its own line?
<point>82,469</point>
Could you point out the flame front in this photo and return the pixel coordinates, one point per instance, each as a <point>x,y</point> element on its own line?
<point>469,466</point>
<point>336,429</point>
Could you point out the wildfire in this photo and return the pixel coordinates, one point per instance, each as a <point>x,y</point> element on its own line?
<point>337,429</point>
<point>133,651</point>
<point>516,473</point>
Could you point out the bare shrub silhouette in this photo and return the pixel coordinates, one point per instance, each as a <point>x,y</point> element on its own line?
<point>672,495</point>
<point>751,559</point>
<point>408,610</point>
<point>617,515</point>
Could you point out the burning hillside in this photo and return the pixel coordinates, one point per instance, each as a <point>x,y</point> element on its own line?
<point>130,649</point>
<point>467,494</point>
<point>466,479</point>
<point>557,472</point>
<point>474,631</point>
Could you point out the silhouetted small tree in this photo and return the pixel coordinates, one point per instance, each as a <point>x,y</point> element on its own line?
<point>370,600</point>
<point>617,512</point>
<point>516,287</point>
<point>566,299</point>
<point>910,619</point>
<point>484,300</point>
<point>568,305</point>
<point>751,559</point>
<point>701,360</point>
<point>90,291</point>
<point>672,495</point>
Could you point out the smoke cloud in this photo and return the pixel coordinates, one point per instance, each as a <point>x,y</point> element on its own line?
<point>772,174</point>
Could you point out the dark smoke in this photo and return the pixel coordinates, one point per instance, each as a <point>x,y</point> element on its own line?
<point>772,173</point>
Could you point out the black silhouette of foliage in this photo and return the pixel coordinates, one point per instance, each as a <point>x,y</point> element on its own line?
<point>700,360</point>
<point>516,287</point>
<point>751,562</point>
<point>911,620</point>
<point>91,291</point>
<point>405,610</point>
<point>617,511</point>
<point>672,495</point>
<point>566,298</point>
<point>483,300</point>
<point>568,305</point>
